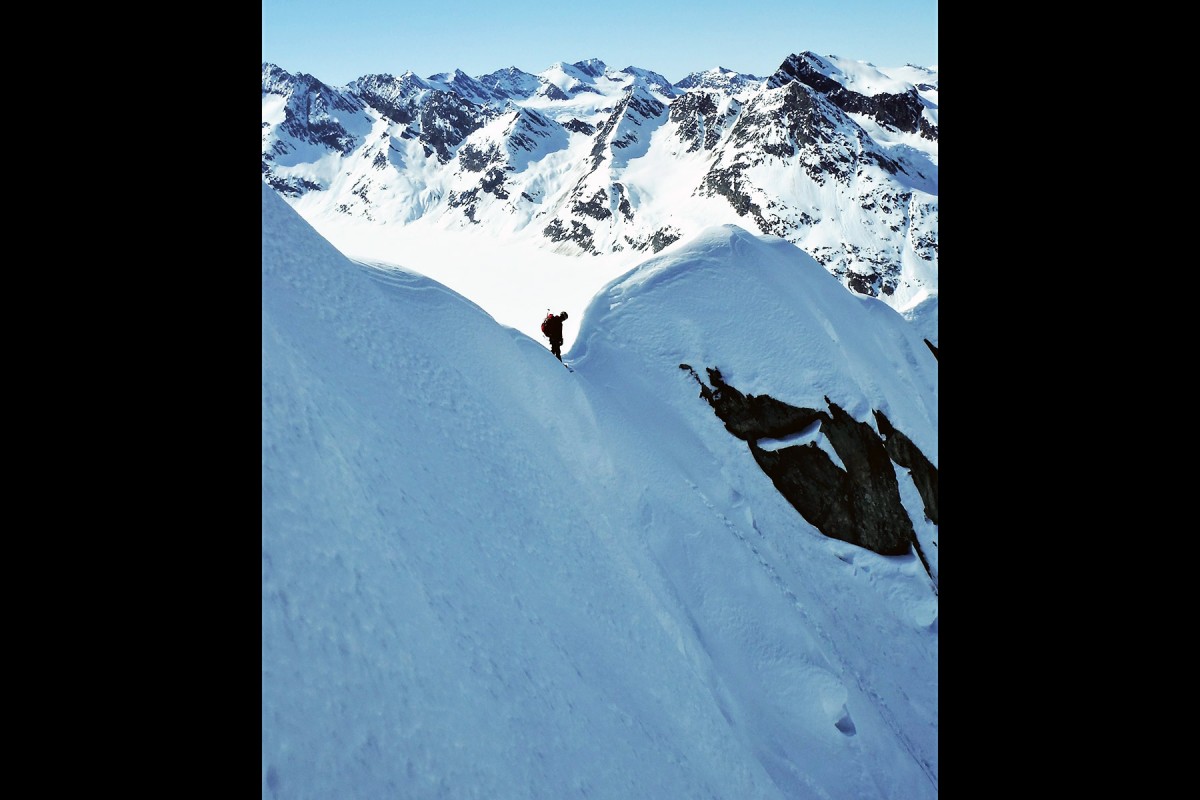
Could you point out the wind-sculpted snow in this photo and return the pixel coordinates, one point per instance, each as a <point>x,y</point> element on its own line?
<point>486,576</point>
<point>794,332</point>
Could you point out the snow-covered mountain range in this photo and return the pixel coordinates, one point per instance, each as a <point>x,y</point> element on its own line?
<point>838,157</point>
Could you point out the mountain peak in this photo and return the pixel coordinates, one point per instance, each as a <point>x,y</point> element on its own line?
<point>591,66</point>
<point>837,157</point>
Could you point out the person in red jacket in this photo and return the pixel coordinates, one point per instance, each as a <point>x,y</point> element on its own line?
<point>552,330</point>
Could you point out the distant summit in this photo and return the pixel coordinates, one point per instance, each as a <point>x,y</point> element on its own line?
<point>838,157</point>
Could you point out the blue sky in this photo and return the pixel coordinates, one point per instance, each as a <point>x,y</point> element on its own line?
<point>338,42</point>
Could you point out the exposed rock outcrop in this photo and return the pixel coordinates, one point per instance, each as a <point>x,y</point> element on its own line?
<point>857,501</point>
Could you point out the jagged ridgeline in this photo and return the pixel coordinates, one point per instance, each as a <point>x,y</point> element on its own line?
<point>838,157</point>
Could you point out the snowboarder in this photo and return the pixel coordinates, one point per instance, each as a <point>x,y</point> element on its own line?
<point>552,330</point>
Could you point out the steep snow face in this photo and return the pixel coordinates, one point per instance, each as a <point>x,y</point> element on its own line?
<point>792,322</point>
<point>484,575</point>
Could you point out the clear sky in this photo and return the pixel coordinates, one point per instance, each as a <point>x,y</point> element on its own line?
<point>338,42</point>
<point>484,576</point>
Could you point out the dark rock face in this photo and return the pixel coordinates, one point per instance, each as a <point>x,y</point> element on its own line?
<point>440,120</point>
<point>474,159</point>
<point>595,206</point>
<point>729,183</point>
<point>652,80</point>
<point>493,158</point>
<point>527,128</point>
<point>476,91</point>
<point>511,83</point>
<point>623,204</point>
<point>310,111</point>
<point>899,111</point>
<point>493,183</point>
<point>799,128</point>
<point>858,503</point>
<point>391,97</point>
<point>579,126</point>
<point>901,450</point>
<point>656,241</point>
<point>446,119</point>
<point>637,108</point>
<point>799,122</point>
<point>579,233</point>
<point>700,123</point>
<point>591,67</point>
<point>642,106</point>
<point>664,237</point>
<point>292,187</point>
<point>467,201</point>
